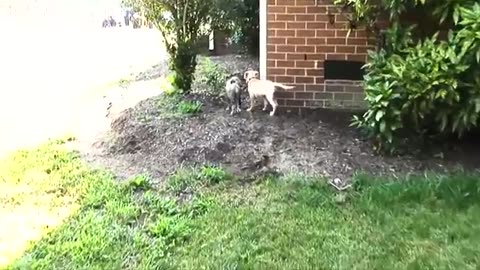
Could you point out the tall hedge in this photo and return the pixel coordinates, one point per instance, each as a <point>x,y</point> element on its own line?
<point>418,86</point>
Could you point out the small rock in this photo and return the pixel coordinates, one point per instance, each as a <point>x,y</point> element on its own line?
<point>338,182</point>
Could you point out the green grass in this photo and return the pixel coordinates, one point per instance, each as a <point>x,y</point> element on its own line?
<point>104,225</point>
<point>426,224</point>
<point>188,180</point>
<point>289,223</point>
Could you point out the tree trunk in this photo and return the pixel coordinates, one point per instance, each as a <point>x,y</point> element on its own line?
<point>183,62</point>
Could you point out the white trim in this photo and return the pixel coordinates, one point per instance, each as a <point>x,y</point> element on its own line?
<point>211,41</point>
<point>263,39</point>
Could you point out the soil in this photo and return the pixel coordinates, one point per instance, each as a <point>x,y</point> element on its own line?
<point>319,143</point>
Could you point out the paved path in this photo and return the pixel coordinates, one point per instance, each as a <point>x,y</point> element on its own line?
<point>49,76</point>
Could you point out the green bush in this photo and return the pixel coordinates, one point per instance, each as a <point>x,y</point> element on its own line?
<point>424,87</point>
<point>183,62</point>
<point>413,90</point>
<point>210,78</point>
<point>168,85</point>
<point>181,24</point>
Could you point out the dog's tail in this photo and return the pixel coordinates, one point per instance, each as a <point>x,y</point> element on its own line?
<point>283,86</point>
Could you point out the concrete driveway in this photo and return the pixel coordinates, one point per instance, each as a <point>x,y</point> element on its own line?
<point>49,75</point>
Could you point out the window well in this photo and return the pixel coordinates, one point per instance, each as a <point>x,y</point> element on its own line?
<point>343,70</point>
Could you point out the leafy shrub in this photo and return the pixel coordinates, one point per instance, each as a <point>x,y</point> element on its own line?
<point>210,78</point>
<point>183,62</point>
<point>182,24</point>
<point>189,107</point>
<point>424,87</point>
<point>407,90</point>
<point>168,85</point>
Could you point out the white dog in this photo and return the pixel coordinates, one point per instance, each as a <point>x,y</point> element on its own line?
<point>262,88</point>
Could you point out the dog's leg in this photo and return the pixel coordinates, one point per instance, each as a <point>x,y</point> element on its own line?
<point>265,104</point>
<point>252,101</point>
<point>274,104</point>
<point>229,104</point>
<point>239,102</point>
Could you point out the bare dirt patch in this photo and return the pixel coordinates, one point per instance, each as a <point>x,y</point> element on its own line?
<point>145,141</point>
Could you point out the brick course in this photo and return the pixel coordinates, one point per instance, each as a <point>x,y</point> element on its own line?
<point>300,37</point>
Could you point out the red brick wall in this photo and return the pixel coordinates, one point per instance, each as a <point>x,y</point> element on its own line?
<point>300,38</point>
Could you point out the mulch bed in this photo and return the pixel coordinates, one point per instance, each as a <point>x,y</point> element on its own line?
<point>318,143</point>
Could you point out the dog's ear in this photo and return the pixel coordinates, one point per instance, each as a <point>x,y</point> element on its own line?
<point>257,74</point>
<point>245,75</point>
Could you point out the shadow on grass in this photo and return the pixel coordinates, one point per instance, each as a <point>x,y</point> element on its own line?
<point>291,222</point>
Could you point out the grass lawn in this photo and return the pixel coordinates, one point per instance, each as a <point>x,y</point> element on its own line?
<point>59,214</point>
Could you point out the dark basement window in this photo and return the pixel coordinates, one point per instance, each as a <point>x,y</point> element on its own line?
<point>343,70</point>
